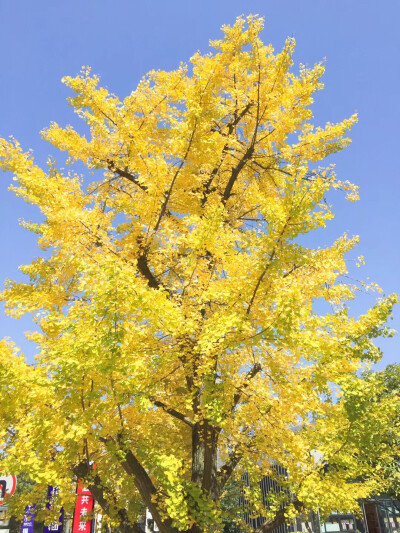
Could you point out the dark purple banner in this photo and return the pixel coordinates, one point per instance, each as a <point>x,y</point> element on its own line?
<point>55,527</point>
<point>28,520</point>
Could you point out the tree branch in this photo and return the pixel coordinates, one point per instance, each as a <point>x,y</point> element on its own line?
<point>142,482</point>
<point>226,471</point>
<point>84,471</point>
<point>169,190</point>
<point>235,173</point>
<point>207,189</point>
<point>123,173</point>
<point>261,277</point>
<point>250,150</point>
<point>231,125</point>
<point>294,267</point>
<point>172,412</point>
<point>278,520</point>
<point>272,256</point>
<point>144,269</point>
<point>250,375</point>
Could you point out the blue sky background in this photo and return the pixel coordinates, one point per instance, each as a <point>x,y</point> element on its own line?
<point>121,40</point>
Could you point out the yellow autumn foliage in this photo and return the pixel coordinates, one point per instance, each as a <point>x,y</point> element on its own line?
<point>179,345</point>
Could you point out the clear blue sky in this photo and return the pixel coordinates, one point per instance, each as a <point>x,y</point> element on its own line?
<point>121,40</point>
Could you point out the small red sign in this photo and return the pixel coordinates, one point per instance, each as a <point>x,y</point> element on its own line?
<point>8,485</point>
<point>84,506</point>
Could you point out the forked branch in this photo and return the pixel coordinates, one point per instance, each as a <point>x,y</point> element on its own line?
<point>173,412</point>
<point>124,173</point>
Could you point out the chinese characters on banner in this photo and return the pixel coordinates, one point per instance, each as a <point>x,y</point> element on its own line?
<point>84,505</point>
<point>27,521</point>
<point>56,527</point>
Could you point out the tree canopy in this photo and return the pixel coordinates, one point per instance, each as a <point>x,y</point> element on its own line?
<point>178,341</point>
<point>384,388</point>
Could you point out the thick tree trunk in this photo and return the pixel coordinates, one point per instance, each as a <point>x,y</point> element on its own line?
<point>204,458</point>
<point>204,462</point>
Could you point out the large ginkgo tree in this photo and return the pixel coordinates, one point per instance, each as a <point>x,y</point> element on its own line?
<point>179,347</point>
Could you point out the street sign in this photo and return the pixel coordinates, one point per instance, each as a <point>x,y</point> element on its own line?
<point>55,527</point>
<point>28,520</point>
<point>8,485</point>
<point>83,509</point>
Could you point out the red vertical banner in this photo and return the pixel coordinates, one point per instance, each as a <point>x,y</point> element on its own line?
<point>84,506</point>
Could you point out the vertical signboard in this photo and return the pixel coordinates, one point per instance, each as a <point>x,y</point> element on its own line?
<point>28,519</point>
<point>55,527</point>
<point>84,506</point>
